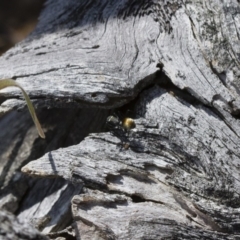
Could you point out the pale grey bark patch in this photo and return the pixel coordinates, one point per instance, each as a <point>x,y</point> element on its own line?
<point>105,216</point>
<point>176,175</point>
<point>13,229</point>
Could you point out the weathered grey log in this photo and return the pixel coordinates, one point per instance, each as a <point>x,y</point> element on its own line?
<point>176,175</point>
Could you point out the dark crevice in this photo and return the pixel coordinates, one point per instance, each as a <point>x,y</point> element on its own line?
<point>222,76</point>
<point>137,198</point>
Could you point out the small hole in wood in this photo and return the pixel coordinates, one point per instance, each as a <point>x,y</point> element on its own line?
<point>137,199</point>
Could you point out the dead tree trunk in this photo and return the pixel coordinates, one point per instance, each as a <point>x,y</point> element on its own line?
<point>175,65</point>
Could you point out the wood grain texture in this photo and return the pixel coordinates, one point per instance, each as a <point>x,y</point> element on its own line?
<point>102,216</point>
<point>13,229</point>
<point>43,203</point>
<point>176,175</point>
<point>103,53</point>
<point>182,158</point>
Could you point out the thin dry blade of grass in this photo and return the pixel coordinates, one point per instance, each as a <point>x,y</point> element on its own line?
<point>11,83</point>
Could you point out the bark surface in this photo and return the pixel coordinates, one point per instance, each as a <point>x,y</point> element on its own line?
<point>175,66</point>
